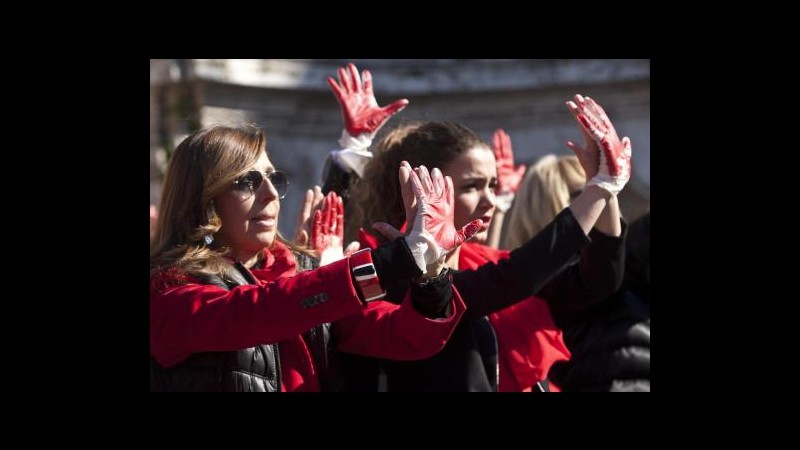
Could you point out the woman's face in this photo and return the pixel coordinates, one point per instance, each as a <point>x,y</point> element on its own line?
<point>474,175</point>
<point>249,220</point>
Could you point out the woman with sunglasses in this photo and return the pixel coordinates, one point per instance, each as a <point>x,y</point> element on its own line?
<point>229,310</point>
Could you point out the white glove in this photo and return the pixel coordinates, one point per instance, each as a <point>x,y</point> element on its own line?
<point>355,154</point>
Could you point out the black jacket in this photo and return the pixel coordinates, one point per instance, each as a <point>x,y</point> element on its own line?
<point>253,369</point>
<point>547,266</point>
<point>257,369</point>
<point>610,341</point>
<point>610,349</point>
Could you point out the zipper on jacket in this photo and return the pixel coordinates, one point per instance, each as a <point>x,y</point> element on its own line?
<point>497,355</point>
<point>277,357</point>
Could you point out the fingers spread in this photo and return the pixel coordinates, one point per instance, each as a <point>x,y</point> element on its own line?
<point>626,146</point>
<point>520,172</point>
<point>317,195</point>
<point>425,178</point>
<point>437,180</point>
<point>449,191</point>
<point>575,148</point>
<point>316,232</point>
<point>328,218</point>
<point>339,217</point>
<point>355,79</point>
<point>344,80</point>
<point>474,227</point>
<point>337,91</point>
<point>305,211</point>
<point>367,81</point>
<point>416,185</point>
<point>498,152</point>
<point>396,107</point>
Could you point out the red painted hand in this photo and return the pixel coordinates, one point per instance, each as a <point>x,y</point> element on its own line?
<point>327,233</point>
<point>435,210</point>
<point>508,178</point>
<point>605,158</point>
<point>360,110</point>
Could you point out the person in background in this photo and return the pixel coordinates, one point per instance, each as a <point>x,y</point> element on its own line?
<point>509,178</point>
<point>547,188</point>
<point>362,118</point>
<point>610,342</point>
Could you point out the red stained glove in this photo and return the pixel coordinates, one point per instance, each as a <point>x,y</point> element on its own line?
<point>508,177</point>
<point>613,167</point>
<point>433,234</point>
<point>362,118</point>
<point>327,234</point>
<point>360,110</point>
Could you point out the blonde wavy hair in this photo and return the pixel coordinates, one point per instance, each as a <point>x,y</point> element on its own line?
<point>204,165</point>
<point>548,187</point>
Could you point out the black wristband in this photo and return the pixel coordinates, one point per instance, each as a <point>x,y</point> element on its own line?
<point>394,261</point>
<point>431,297</point>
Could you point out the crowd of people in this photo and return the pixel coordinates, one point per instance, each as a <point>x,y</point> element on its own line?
<point>404,273</point>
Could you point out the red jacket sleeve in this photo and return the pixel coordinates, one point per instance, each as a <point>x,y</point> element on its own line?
<point>194,318</point>
<point>399,332</point>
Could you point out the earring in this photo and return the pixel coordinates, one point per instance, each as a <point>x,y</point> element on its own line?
<point>208,239</point>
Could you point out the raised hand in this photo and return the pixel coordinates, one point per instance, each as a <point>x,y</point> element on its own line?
<point>605,158</point>
<point>327,233</point>
<point>508,177</point>
<point>433,234</point>
<point>311,202</point>
<point>360,110</point>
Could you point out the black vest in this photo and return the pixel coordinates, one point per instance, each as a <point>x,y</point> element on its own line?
<point>253,369</point>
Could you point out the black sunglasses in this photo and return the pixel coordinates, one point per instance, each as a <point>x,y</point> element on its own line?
<point>251,181</point>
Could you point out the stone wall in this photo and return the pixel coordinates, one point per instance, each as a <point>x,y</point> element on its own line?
<point>293,102</point>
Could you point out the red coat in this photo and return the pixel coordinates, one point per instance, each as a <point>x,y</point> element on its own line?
<point>528,340</point>
<point>186,317</point>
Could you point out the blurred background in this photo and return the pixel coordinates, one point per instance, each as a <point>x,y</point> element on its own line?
<point>291,100</point>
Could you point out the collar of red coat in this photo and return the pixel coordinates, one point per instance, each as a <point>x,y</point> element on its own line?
<point>278,262</point>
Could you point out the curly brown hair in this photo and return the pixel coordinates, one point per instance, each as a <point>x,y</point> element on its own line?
<point>377,196</point>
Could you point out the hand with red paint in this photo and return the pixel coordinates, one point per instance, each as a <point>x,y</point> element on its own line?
<point>312,201</point>
<point>605,158</point>
<point>327,232</point>
<point>433,234</point>
<point>508,177</point>
<point>362,117</point>
<point>360,110</point>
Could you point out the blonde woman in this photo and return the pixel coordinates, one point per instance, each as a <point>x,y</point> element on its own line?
<point>548,187</point>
